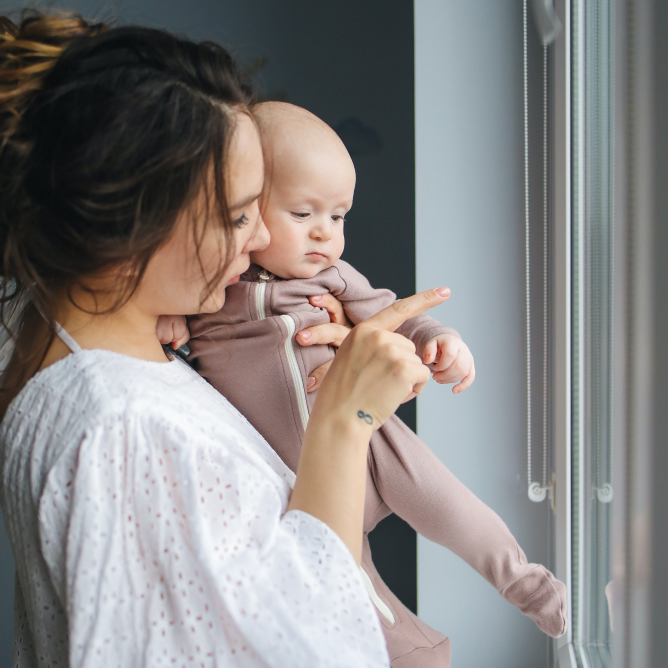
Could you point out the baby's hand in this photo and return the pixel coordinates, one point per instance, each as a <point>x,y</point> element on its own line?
<point>453,361</point>
<point>172,329</point>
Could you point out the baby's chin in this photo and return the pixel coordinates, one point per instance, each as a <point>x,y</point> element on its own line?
<point>302,268</point>
<point>309,268</point>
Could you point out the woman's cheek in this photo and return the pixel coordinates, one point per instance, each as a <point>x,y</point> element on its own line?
<point>214,301</point>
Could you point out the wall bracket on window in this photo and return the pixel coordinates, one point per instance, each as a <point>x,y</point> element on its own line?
<point>538,493</point>
<point>548,23</point>
<point>604,493</point>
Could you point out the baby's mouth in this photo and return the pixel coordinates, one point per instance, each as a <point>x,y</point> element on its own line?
<point>316,255</point>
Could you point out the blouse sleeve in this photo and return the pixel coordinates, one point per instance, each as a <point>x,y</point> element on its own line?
<point>178,554</point>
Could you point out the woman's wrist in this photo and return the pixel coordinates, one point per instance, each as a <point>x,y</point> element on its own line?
<point>344,423</point>
<point>332,471</point>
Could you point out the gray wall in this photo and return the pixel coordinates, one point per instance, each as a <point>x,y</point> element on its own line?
<point>470,237</point>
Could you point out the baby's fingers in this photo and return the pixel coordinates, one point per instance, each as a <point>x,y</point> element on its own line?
<point>429,352</point>
<point>333,307</point>
<point>182,341</point>
<point>448,353</point>
<point>170,328</point>
<point>180,332</point>
<point>466,382</point>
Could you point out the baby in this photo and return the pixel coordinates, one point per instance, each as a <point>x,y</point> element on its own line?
<point>247,352</point>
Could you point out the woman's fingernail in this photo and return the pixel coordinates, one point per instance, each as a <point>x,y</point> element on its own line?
<point>306,335</point>
<point>316,298</point>
<point>443,292</point>
<point>310,382</point>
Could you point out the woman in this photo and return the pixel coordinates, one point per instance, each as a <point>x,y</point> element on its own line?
<point>151,524</point>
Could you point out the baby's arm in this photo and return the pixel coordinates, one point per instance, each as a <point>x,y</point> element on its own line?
<point>439,346</point>
<point>415,484</point>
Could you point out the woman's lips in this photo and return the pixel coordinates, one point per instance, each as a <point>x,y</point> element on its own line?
<point>234,280</point>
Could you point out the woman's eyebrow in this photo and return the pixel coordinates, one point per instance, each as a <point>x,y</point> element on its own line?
<point>245,202</point>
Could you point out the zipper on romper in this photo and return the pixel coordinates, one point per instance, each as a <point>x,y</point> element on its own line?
<point>375,598</point>
<point>294,370</point>
<point>289,351</point>
<point>259,295</point>
<point>260,291</point>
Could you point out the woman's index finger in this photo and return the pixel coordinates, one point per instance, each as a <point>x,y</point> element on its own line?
<point>396,314</point>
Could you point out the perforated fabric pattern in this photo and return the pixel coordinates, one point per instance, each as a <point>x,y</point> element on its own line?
<point>149,528</point>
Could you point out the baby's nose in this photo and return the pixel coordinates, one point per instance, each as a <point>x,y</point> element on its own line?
<point>321,232</point>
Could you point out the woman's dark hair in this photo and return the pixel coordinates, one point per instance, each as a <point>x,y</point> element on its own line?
<point>106,136</point>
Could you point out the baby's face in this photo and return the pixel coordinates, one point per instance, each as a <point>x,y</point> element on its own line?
<point>306,196</point>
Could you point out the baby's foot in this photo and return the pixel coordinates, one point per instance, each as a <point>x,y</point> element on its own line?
<point>539,595</point>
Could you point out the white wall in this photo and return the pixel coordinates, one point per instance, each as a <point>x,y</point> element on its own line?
<point>470,227</point>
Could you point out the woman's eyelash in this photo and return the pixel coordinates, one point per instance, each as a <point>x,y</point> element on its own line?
<point>241,221</point>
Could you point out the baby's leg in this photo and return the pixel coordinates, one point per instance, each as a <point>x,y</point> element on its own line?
<point>415,485</point>
<point>410,642</point>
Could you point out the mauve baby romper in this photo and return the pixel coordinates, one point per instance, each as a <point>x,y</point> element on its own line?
<point>248,353</point>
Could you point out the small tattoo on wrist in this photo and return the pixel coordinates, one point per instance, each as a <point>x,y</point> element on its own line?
<point>365,416</point>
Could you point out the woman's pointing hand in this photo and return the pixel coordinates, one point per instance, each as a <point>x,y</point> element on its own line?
<point>375,369</point>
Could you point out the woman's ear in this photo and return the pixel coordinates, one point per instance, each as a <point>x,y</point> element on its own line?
<point>126,270</point>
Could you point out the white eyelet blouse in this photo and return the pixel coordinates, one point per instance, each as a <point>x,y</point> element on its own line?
<point>149,528</point>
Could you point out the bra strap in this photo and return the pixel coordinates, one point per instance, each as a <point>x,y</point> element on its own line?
<point>67,339</point>
<point>60,332</point>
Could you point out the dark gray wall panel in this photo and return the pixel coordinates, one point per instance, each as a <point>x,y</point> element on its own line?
<point>342,60</point>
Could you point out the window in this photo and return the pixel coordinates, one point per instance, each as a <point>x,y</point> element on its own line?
<point>592,328</point>
<point>577,340</point>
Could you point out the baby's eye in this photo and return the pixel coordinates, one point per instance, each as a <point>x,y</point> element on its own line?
<point>300,215</point>
<point>338,219</point>
<point>241,221</point>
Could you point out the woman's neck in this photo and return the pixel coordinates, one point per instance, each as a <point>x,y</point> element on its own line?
<point>128,330</point>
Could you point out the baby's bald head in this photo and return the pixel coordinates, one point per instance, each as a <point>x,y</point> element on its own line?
<point>288,131</point>
<point>308,188</point>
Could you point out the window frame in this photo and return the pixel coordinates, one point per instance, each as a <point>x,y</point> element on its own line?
<point>569,434</point>
<point>560,315</point>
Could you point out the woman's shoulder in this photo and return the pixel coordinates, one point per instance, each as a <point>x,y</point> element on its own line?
<point>102,391</point>
<point>91,387</point>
